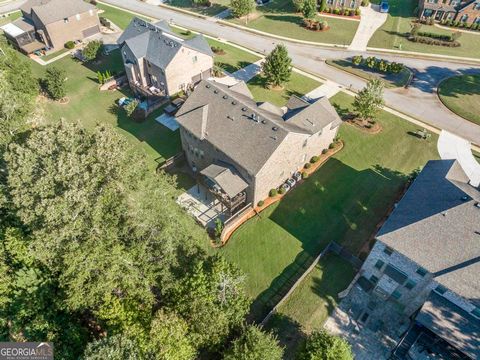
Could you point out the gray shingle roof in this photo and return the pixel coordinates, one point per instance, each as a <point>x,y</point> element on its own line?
<point>227,177</point>
<point>237,126</point>
<point>49,11</point>
<point>451,323</point>
<point>157,43</point>
<point>437,225</point>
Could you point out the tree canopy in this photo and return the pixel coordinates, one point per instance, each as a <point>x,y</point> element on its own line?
<point>309,9</point>
<point>254,344</point>
<point>277,67</point>
<point>55,82</point>
<point>321,345</point>
<point>241,8</point>
<point>369,100</point>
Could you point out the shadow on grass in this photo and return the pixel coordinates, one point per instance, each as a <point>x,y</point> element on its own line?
<point>337,203</point>
<point>289,333</point>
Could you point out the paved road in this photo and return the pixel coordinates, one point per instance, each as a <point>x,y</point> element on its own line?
<point>419,100</point>
<point>11,5</point>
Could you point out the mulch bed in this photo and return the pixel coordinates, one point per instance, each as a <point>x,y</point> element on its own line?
<point>369,127</point>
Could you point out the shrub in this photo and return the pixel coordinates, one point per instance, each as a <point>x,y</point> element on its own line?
<point>54,83</point>
<point>314,159</point>
<point>131,107</point>
<point>188,32</point>
<point>435,36</point>
<point>282,191</point>
<point>365,2</point>
<point>324,151</point>
<point>218,228</point>
<point>304,175</point>
<point>371,62</point>
<point>261,203</point>
<point>331,146</point>
<point>357,60</point>
<point>357,11</point>
<point>307,166</point>
<point>298,5</point>
<point>273,193</point>
<point>91,50</point>
<point>69,45</point>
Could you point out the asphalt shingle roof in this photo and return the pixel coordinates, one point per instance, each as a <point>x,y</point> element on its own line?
<point>50,11</point>
<point>437,225</point>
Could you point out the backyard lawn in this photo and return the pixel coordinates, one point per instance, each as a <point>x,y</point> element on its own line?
<point>90,106</point>
<point>278,17</point>
<point>298,85</point>
<point>461,94</point>
<point>392,35</point>
<point>343,201</point>
<point>312,301</point>
<point>390,80</point>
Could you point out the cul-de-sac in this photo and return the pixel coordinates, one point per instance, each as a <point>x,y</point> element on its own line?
<point>240,179</point>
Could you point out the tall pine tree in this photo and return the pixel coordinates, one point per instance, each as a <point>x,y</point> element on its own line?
<point>277,67</point>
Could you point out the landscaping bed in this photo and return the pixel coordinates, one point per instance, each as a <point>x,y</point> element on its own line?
<point>461,94</point>
<point>391,80</point>
<point>344,201</point>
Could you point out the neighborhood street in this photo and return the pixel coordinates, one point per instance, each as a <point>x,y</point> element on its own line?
<point>419,100</point>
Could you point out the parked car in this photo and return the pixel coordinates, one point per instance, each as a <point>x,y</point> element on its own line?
<point>384,7</point>
<point>297,176</point>
<point>286,187</point>
<point>291,182</point>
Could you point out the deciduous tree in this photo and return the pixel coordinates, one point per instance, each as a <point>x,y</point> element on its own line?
<point>324,346</point>
<point>309,9</point>
<point>242,8</point>
<point>254,344</point>
<point>92,50</point>
<point>369,100</point>
<point>55,82</point>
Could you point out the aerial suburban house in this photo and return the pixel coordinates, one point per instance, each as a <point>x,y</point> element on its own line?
<point>240,149</point>
<point>426,261</point>
<point>49,24</point>
<point>465,11</point>
<point>158,62</point>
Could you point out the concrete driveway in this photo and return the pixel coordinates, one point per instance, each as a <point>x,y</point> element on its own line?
<point>371,19</point>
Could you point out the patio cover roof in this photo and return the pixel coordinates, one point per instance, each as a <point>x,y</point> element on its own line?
<point>33,46</point>
<point>227,179</point>
<point>12,30</point>
<point>451,323</point>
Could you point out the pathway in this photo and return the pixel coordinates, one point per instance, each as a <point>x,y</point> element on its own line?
<point>371,20</point>
<point>328,89</point>
<point>245,74</point>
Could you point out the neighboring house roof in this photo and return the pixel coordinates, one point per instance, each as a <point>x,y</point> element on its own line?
<point>451,323</point>
<point>157,43</point>
<point>50,11</point>
<point>249,134</point>
<point>226,177</point>
<point>437,225</point>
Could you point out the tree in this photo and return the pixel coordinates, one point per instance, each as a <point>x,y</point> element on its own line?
<point>92,50</point>
<point>324,346</point>
<point>309,9</point>
<point>277,66</point>
<point>369,100</point>
<point>254,344</point>
<point>323,5</point>
<point>116,347</point>
<point>298,5</point>
<point>241,8</point>
<point>54,82</point>
<point>131,107</point>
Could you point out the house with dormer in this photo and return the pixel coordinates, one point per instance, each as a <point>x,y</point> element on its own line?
<point>159,62</point>
<point>240,149</point>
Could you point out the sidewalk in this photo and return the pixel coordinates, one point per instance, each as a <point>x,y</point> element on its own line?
<point>328,89</point>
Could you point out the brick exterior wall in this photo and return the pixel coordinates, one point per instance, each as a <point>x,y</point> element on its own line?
<point>414,298</point>
<point>472,14</point>
<point>58,33</point>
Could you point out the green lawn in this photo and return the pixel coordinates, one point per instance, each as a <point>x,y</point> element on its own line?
<point>217,6</point>
<point>54,54</point>
<point>90,106</point>
<point>343,201</point>
<point>298,85</point>
<point>392,35</point>
<point>118,17</point>
<point>391,80</point>
<point>234,58</point>
<point>279,18</point>
<point>12,17</point>
<point>461,94</point>
<point>312,301</point>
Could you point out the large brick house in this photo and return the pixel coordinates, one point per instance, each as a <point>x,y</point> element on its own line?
<point>51,23</point>
<point>156,60</point>
<point>426,261</point>
<point>466,11</point>
<point>240,149</point>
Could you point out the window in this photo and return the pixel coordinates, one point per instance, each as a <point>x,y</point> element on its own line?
<point>441,289</point>
<point>379,264</point>
<point>374,279</point>
<point>388,250</point>
<point>464,18</point>
<point>194,59</point>
<point>476,312</point>
<point>65,20</point>
<point>421,271</point>
<point>396,294</point>
<point>410,284</point>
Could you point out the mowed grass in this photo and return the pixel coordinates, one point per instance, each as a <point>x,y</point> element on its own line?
<point>461,94</point>
<point>217,6</point>
<point>310,304</point>
<point>343,202</point>
<point>90,107</point>
<point>298,85</point>
<point>392,35</point>
<point>11,17</point>
<point>233,58</point>
<point>279,17</point>
<point>118,17</point>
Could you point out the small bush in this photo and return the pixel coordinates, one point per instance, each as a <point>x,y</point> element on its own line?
<point>188,33</point>
<point>324,151</point>
<point>282,191</point>
<point>314,159</point>
<point>304,175</point>
<point>357,11</point>
<point>365,2</point>
<point>307,166</point>
<point>261,203</point>
<point>273,193</point>
<point>331,146</point>
<point>357,60</point>
<point>69,45</point>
